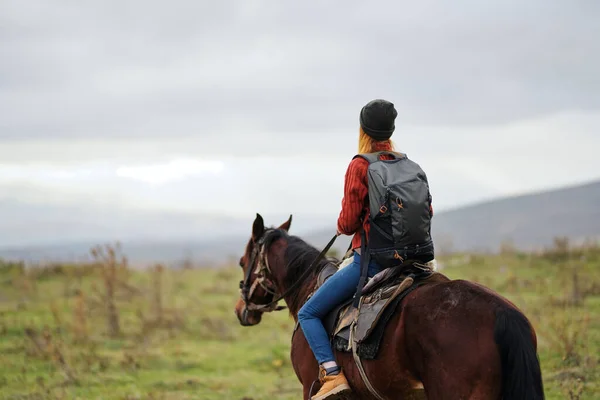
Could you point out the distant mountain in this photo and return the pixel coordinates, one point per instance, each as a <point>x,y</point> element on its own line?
<point>32,224</point>
<point>60,233</point>
<point>139,253</point>
<point>528,222</point>
<point>51,232</point>
<point>36,232</point>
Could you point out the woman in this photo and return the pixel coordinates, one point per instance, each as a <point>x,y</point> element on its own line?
<point>377,123</point>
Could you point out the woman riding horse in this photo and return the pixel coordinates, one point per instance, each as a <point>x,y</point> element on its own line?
<point>447,339</point>
<point>377,124</point>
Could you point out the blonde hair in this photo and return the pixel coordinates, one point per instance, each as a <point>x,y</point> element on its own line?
<point>366,144</point>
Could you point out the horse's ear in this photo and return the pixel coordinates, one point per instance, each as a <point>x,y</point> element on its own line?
<point>286,225</point>
<point>258,227</point>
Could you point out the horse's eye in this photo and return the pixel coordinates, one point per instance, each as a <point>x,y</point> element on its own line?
<point>242,262</point>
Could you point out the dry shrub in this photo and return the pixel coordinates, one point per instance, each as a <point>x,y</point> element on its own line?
<point>219,288</point>
<point>577,287</point>
<point>16,275</point>
<point>157,291</point>
<point>113,267</point>
<point>80,326</point>
<point>91,358</point>
<point>3,325</point>
<point>573,388</point>
<point>130,362</point>
<point>57,316</point>
<point>187,263</point>
<point>48,271</point>
<point>563,250</point>
<point>227,275</point>
<point>508,248</point>
<point>569,335</point>
<point>10,268</point>
<point>159,317</point>
<point>73,278</point>
<point>172,320</point>
<point>593,289</point>
<point>477,260</point>
<point>215,329</point>
<point>48,347</point>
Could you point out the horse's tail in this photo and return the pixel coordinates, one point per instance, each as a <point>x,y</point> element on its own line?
<point>521,372</point>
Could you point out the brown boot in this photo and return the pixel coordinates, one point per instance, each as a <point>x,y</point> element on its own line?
<point>333,387</point>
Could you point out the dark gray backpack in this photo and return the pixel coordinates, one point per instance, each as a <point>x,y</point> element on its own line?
<point>400,211</point>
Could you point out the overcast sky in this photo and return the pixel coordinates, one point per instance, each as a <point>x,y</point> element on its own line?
<point>236,107</point>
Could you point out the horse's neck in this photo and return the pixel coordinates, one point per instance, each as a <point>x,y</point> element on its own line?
<point>298,296</point>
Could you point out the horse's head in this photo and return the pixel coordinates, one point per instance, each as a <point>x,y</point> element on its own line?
<point>257,288</point>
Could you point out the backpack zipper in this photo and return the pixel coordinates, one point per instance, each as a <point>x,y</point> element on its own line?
<point>399,203</point>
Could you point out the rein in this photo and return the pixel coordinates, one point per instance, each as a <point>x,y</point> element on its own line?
<point>262,267</point>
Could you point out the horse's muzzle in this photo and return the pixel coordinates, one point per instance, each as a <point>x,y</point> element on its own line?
<point>248,318</point>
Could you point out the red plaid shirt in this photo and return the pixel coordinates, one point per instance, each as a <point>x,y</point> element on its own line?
<point>355,204</point>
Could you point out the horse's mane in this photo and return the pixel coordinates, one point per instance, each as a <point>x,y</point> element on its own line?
<point>298,256</point>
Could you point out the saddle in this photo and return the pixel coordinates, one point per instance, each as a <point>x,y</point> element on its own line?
<point>379,302</point>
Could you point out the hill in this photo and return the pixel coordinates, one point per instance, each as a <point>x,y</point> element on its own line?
<point>527,222</point>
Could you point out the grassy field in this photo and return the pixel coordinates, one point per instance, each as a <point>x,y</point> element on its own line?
<point>106,332</point>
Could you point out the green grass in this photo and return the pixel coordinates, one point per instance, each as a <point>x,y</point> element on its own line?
<point>199,350</point>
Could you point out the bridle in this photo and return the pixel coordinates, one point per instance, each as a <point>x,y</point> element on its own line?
<point>263,275</point>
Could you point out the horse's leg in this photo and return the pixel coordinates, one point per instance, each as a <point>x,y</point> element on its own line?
<point>306,392</point>
<point>305,365</point>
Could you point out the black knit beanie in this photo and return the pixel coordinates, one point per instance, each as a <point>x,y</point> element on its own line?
<point>377,119</point>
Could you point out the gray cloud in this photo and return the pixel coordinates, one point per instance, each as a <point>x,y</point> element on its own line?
<point>149,68</point>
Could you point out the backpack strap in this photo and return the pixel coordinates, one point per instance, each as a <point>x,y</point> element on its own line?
<point>365,258</point>
<point>373,157</point>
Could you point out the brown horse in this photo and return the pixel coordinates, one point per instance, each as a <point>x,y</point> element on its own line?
<point>448,340</point>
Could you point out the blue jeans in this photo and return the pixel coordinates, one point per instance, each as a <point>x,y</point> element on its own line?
<point>339,287</point>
